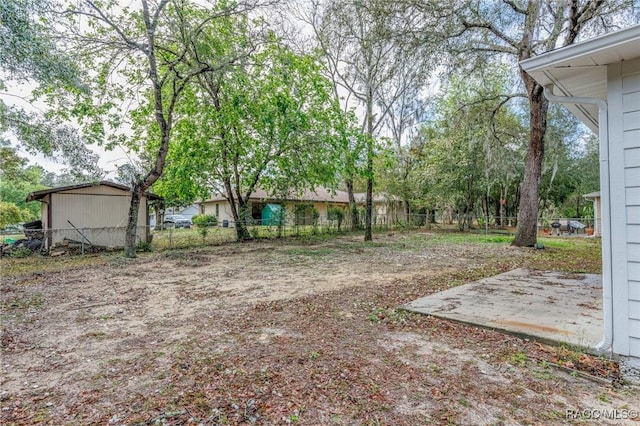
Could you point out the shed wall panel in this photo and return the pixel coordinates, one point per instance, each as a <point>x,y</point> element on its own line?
<point>97,215</point>
<point>633,251</point>
<point>97,190</point>
<point>633,234</point>
<point>44,217</point>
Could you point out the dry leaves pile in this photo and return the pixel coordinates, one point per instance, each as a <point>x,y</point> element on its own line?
<point>116,344</point>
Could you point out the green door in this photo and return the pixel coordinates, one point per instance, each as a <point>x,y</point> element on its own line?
<point>272,214</point>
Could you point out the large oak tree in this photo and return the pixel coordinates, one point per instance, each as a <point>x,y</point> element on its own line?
<point>267,123</point>
<point>515,30</point>
<point>150,49</point>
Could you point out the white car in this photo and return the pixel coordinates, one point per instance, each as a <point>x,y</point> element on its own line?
<point>176,221</point>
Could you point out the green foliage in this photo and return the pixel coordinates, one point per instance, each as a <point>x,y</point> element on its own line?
<point>336,214</point>
<point>144,246</point>
<point>204,220</point>
<point>149,57</point>
<point>473,150</point>
<point>17,180</point>
<point>266,124</point>
<point>29,53</point>
<point>28,50</point>
<point>519,359</point>
<point>21,252</point>
<point>9,214</point>
<point>571,167</point>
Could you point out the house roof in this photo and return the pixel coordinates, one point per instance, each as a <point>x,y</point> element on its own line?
<point>361,197</point>
<point>316,195</point>
<point>39,195</point>
<point>581,69</point>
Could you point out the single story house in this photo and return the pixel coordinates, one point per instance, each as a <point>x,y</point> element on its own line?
<point>387,209</point>
<point>599,81</point>
<point>296,208</point>
<point>597,212</point>
<point>93,213</point>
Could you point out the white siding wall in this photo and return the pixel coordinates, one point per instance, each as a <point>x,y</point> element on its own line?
<point>626,79</point>
<point>224,209</point>
<point>223,212</point>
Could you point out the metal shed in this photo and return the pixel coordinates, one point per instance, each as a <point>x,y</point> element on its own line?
<point>95,213</point>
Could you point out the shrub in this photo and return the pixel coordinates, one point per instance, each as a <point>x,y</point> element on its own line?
<point>9,213</point>
<point>204,220</point>
<point>336,214</point>
<point>21,252</point>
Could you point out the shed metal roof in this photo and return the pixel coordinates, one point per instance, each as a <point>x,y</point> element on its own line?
<point>39,195</point>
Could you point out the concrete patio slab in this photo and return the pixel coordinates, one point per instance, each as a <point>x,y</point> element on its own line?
<point>551,306</point>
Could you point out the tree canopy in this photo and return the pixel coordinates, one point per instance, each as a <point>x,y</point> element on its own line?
<point>265,123</point>
<point>419,99</point>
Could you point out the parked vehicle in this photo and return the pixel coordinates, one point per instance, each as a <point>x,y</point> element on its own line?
<point>176,221</point>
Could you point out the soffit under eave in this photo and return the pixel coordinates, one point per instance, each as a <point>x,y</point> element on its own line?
<point>581,69</point>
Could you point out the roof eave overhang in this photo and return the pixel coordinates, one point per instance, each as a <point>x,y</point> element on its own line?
<point>40,195</point>
<point>581,69</point>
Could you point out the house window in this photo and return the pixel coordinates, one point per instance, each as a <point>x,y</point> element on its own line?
<point>256,212</point>
<point>217,209</point>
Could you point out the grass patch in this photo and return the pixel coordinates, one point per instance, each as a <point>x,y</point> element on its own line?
<point>37,264</point>
<point>497,239</point>
<point>449,237</point>
<point>168,239</point>
<point>575,255</point>
<point>558,243</point>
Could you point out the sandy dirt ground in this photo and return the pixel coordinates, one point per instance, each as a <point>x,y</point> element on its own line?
<point>277,332</point>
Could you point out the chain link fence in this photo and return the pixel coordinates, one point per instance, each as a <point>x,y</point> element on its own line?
<point>86,240</point>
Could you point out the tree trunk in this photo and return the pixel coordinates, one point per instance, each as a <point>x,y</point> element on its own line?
<point>368,234</point>
<point>407,211</point>
<point>353,208</point>
<point>242,230</point>
<point>159,216</point>
<point>498,210</point>
<point>130,243</point>
<point>527,230</point>
<point>237,212</point>
<point>368,216</point>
